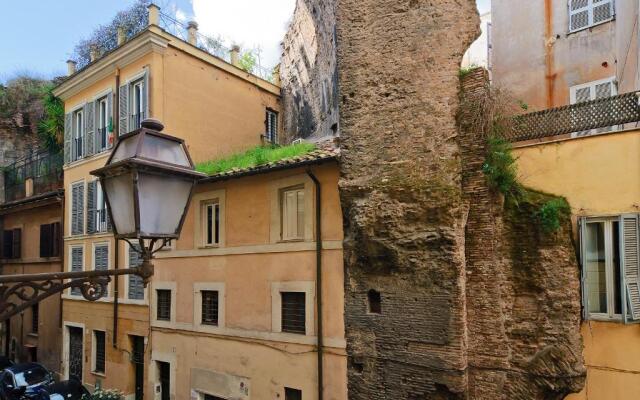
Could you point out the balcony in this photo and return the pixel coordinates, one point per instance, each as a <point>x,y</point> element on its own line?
<point>38,173</point>
<point>582,119</point>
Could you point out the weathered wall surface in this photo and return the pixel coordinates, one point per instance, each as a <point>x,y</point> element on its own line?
<point>404,216</point>
<point>308,72</point>
<point>17,138</point>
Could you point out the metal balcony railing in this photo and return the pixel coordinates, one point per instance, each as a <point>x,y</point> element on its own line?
<point>42,170</point>
<point>136,121</point>
<point>578,118</point>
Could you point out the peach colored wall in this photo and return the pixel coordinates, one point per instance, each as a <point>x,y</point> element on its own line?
<point>47,338</point>
<point>599,176</point>
<point>268,361</point>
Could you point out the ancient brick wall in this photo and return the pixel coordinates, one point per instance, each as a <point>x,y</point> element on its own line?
<point>17,138</point>
<point>308,72</point>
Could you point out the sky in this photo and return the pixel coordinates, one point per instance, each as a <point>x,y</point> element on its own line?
<point>39,36</point>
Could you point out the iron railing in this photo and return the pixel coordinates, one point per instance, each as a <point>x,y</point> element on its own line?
<point>577,118</point>
<point>136,120</point>
<point>43,168</point>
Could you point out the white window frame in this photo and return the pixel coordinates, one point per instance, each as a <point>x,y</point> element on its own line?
<point>101,208</point>
<point>284,236</point>
<point>172,287</point>
<point>272,136</point>
<point>78,132</point>
<point>200,200</point>
<point>137,104</point>
<point>94,353</point>
<point>609,271</point>
<point>592,96</point>
<point>589,8</point>
<point>306,287</point>
<point>276,188</point>
<point>214,205</point>
<point>198,288</point>
<point>103,121</point>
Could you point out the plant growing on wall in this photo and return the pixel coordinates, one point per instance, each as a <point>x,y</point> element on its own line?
<point>104,394</point>
<point>51,126</point>
<point>248,60</point>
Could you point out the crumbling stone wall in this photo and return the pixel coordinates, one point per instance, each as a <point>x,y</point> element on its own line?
<point>308,73</point>
<point>17,138</point>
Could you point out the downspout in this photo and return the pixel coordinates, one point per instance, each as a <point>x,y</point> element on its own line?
<point>320,335</point>
<point>61,250</point>
<point>116,252</point>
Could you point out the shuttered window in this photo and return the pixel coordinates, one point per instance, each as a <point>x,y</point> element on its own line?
<point>77,208</point>
<point>77,264</point>
<point>271,124</point>
<point>78,135</point>
<point>104,125</point>
<point>209,307</point>
<point>100,351</point>
<point>293,312</point>
<point>136,284</point>
<point>50,240</point>
<point>97,218</point>
<point>101,257</point>
<point>586,13</point>
<point>163,305</point>
<point>610,267</point>
<point>12,243</point>
<point>292,213</point>
<point>211,224</point>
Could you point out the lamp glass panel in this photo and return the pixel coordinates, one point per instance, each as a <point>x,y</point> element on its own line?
<point>162,202</point>
<point>126,148</point>
<point>119,190</point>
<point>161,149</point>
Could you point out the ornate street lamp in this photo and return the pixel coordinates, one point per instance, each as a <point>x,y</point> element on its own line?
<point>147,181</point>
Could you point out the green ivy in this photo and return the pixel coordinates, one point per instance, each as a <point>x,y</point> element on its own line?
<point>552,212</point>
<point>500,167</point>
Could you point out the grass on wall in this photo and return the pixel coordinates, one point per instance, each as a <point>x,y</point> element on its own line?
<point>256,156</point>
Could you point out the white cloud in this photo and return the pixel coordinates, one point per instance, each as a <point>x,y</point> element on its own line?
<point>249,23</point>
<point>181,15</point>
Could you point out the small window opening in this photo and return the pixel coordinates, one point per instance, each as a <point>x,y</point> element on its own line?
<point>375,302</point>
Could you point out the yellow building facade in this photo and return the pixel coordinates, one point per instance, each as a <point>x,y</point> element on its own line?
<point>215,106</point>
<point>599,176</point>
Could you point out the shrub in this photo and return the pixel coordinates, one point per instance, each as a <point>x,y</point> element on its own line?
<point>552,212</point>
<point>104,394</point>
<point>51,126</point>
<point>500,167</point>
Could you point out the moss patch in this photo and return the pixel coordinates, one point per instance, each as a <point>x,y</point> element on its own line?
<point>254,157</point>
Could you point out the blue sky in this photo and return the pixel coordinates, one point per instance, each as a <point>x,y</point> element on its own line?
<point>38,36</point>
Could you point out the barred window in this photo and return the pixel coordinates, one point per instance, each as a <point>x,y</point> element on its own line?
<point>293,312</point>
<point>163,311</point>
<point>100,351</point>
<point>209,307</point>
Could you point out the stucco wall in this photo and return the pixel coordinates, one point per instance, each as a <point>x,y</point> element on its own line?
<point>598,175</point>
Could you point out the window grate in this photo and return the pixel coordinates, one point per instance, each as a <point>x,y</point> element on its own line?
<point>210,307</point>
<point>99,337</point>
<point>163,311</point>
<point>293,312</point>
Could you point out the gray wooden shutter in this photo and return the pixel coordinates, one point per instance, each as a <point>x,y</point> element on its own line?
<point>67,137</point>
<point>92,200</point>
<point>582,228</point>
<point>89,128</point>
<point>136,284</point>
<point>76,265</point>
<point>77,209</point>
<point>579,14</point>
<point>101,257</point>
<point>145,94</point>
<point>109,119</point>
<point>123,105</point>
<point>629,255</point>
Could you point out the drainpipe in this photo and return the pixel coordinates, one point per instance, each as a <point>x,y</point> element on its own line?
<point>116,253</point>
<point>319,280</point>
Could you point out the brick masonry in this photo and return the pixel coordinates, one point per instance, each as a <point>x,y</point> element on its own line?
<point>17,138</point>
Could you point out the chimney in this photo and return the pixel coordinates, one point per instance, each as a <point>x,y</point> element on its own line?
<point>235,55</point>
<point>94,53</point>
<point>71,67</point>
<point>122,35</point>
<point>154,14</point>
<point>192,29</point>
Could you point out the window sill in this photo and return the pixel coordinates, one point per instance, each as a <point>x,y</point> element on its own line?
<point>100,374</point>
<point>33,334</point>
<point>591,26</point>
<point>596,318</point>
<point>209,246</point>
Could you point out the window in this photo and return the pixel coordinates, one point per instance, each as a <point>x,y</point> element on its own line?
<point>163,308</point>
<point>11,243</point>
<point>271,124</point>
<point>99,351</point>
<point>292,394</point>
<point>293,312</point>
<point>609,255</point>
<point>78,135</point>
<point>292,213</point>
<point>592,91</point>
<point>211,224</point>
<point>102,133</point>
<point>50,240</point>
<point>35,318</point>
<point>77,264</point>
<point>77,208</point>
<point>586,13</point>
<point>137,104</point>
<point>135,283</point>
<point>209,307</point>
<point>375,302</point>
<point>97,218</point>
<point>101,257</point>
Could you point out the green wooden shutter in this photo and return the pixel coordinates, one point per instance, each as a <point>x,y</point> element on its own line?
<point>67,138</point>
<point>629,255</point>
<point>89,128</point>
<point>582,228</point>
<point>123,105</point>
<point>92,197</point>
<point>145,94</point>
